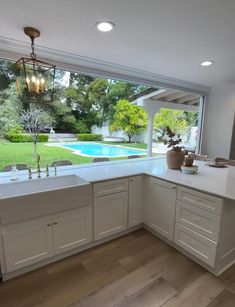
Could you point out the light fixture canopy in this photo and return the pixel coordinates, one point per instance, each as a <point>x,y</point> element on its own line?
<point>207,63</point>
<point>105,26</point>
<point>35,78</point>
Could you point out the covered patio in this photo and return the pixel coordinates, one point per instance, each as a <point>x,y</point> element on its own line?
<point>155,99</point>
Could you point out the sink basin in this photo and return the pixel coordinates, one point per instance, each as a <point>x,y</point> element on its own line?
<point>19,188</point>
<point>24,200</point>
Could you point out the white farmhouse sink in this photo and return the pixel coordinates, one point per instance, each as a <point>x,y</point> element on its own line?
<point>34,198</point>
<point>19,188</point>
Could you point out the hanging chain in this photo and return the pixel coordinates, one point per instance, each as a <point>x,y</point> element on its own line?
<point>33,55</point>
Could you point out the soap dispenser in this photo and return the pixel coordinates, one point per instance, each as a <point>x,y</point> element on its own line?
<point>14,173</point>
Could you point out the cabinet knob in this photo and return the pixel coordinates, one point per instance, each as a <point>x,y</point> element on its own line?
<point>55,223</point>
<point>48,225</point>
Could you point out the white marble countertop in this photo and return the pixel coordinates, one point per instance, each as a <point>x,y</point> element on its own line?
<point>215,181</point>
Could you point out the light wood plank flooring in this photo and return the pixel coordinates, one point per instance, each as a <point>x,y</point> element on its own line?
<point>136,270</point>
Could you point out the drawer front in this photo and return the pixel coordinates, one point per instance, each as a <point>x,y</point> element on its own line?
<point>196,244</point>
<point>200,200</point>
<point>110,187</point>
<point>202,221</point>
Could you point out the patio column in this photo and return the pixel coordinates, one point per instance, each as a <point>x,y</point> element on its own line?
<point>151,116</point>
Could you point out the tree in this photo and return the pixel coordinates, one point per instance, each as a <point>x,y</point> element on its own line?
<point>130,118</point>
<point>36,120</point>
<point>10,108</point>
<point>174,119</point>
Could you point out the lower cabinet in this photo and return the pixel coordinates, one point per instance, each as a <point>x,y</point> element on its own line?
<point>32,241</point>
<point>110,214</point>
<point>72,230</point>
<point>26,243</point>
<point>162,207</point>
<point>196,244</point>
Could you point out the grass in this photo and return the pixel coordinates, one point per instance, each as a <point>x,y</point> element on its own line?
<point>12,153</point>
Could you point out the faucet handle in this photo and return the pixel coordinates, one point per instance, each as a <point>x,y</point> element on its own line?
<point>47,170</point>
<point>30,172</point>
<point>38,158</point>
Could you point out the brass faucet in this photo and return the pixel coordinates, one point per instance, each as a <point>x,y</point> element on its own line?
<point>38,169</point>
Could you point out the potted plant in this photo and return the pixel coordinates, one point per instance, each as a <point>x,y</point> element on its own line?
<point>174,156</point>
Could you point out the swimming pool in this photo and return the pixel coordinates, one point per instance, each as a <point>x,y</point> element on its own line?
<point>102,150</point>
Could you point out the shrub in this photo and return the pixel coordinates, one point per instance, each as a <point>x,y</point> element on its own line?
<point>81,127</point>
<point>90,137</point>
<point>13,128</point>
<point>24,137</point>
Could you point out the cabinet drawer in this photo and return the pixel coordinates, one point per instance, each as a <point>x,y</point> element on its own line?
<point>110,187</point>
<point>202,221</point>
<point>200,200</point>
<point>196,244</point>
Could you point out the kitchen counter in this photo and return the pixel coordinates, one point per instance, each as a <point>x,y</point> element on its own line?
<point>216,181</point>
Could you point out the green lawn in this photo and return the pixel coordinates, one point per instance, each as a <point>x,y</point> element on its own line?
<point>12,153</point>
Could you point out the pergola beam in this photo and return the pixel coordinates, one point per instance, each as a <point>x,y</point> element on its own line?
<point>171,105</point>
<point>187,98</point>
<point>174,97</point>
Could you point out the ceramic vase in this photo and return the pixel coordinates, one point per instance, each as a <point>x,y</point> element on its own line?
<point>175,159</point>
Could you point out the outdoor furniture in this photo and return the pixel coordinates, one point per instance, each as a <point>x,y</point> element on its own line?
<point>20,167</point>
<point>198,157</point>
<point>100,159</point>
<point>61,163</point>
<point>133,157</point>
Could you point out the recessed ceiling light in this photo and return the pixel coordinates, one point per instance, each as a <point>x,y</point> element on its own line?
<point>105,26</point>
<point>206,63</point>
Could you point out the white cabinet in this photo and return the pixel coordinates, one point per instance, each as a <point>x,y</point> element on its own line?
<point>110,187</point>
<point>26,243</point>
<point>32,241</point>
<point>162,207</point>
<point>135,201</point>
<point>198,219</point>
<point>72,230</point>
<point>110,214</point>
<point>196,244</point>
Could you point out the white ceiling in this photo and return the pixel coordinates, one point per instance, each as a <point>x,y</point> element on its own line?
<point>168,37</point>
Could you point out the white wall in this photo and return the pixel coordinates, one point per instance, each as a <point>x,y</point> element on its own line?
<point>218,121</point>
<point>104,130</point>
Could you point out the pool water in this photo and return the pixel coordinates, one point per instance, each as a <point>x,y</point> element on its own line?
<point>102,150</point>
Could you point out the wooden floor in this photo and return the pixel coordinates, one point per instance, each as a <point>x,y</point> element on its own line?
<point>136,270</point>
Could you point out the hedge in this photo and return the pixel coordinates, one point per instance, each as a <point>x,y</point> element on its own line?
<point>89,137</point>
<point>24,137</point>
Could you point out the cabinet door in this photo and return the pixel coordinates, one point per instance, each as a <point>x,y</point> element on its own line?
<point>135,201</point>
<point>70,230</point>
<point>162,207</point>
<point>26,244</point>
<point>110,214</point>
